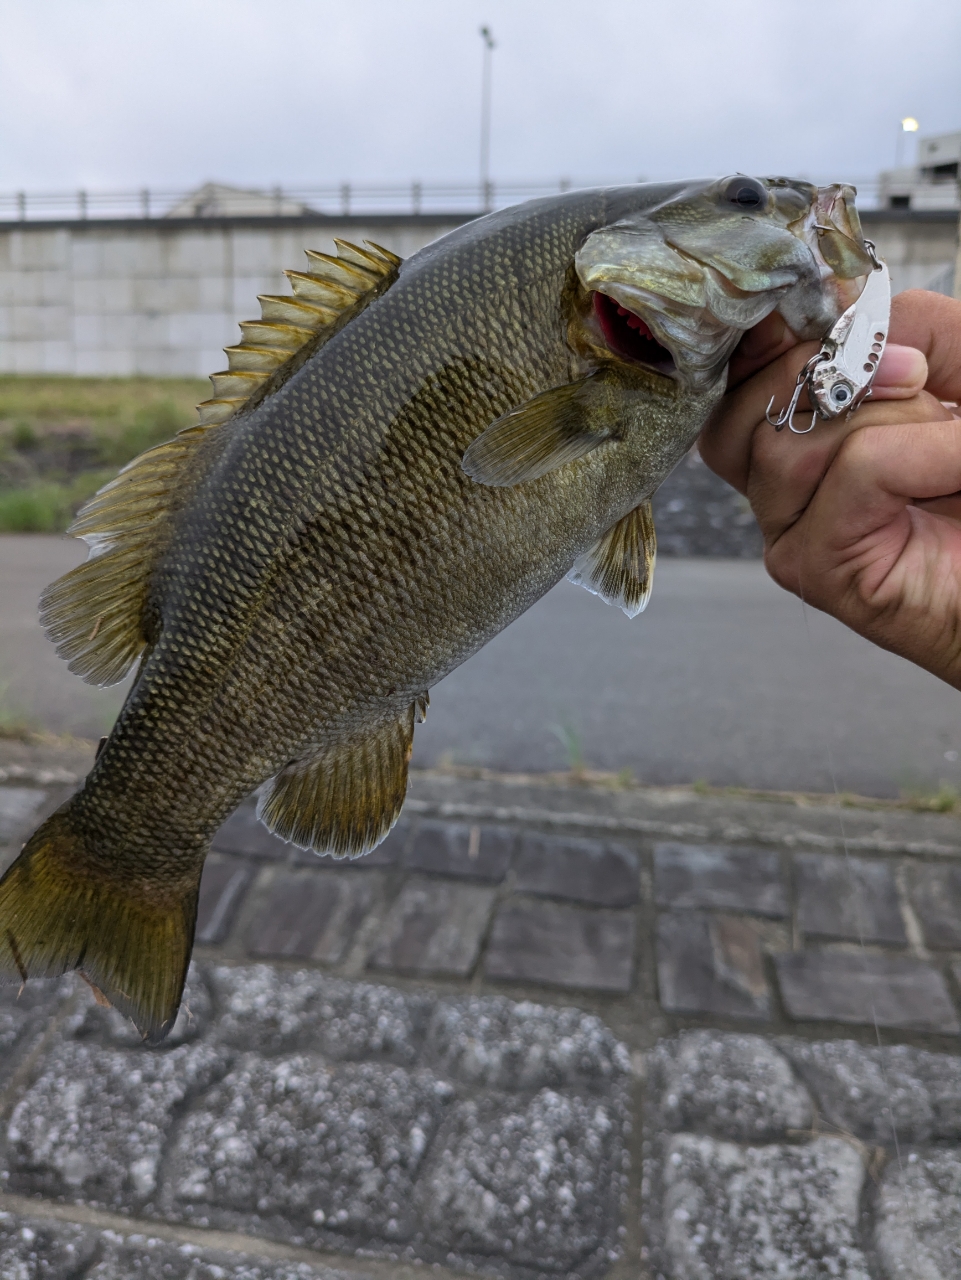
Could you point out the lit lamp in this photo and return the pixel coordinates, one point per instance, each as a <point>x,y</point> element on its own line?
<point>908,125</point>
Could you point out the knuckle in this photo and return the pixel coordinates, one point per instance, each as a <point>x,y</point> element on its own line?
<point>781,562</point>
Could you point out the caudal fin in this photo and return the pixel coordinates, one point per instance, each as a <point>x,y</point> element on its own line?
<point>60,910</point>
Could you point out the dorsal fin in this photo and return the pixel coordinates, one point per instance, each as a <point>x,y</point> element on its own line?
<point>95,615</point>
<point>334,289</point>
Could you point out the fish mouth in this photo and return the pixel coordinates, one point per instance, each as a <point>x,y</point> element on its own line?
<point>674,287</point>
<point>629,336</point>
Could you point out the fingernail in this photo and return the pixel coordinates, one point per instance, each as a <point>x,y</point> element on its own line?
<point>902,367</point>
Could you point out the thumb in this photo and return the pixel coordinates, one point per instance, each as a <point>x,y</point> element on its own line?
<point>902,373</point>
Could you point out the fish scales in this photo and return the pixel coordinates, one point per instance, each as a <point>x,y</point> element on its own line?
<point>377,443</point>
<point>467,436</point>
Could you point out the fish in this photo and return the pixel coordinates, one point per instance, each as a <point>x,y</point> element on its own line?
<point>400,459</point>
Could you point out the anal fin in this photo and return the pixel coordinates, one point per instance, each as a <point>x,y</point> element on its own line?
<point>343,799</point>
<point>620,566</point>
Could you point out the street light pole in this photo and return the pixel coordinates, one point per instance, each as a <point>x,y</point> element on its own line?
<point>487,194</point>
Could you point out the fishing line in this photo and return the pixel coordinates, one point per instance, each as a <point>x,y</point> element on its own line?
<point>816,656</point>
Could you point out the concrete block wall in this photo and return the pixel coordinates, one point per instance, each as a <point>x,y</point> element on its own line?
<point>155,297</point>
<point>163,297</point>
<point>919,247</point>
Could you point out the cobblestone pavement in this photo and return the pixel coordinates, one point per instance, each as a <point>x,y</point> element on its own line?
<point>541,1031</point>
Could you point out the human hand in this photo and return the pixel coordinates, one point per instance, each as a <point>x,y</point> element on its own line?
<point>862,517</point>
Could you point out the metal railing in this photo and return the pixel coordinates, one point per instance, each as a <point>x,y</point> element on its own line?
<point>336,199</point>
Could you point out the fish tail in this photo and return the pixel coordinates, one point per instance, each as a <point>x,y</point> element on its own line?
<point>61,909</point>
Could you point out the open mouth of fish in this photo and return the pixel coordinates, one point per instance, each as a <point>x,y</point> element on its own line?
<point>629,336</point>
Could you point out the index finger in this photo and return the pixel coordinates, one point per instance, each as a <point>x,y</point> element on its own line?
<point>931,323</point>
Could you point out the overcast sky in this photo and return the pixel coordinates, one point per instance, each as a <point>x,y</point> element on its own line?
<point>121,93</point>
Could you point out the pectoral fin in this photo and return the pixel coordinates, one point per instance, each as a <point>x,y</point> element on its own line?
<point>555,427</point>
<point>620,567</point>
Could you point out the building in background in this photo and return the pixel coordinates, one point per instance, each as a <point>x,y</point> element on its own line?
<point>934,183</point>
<point>147,283</point>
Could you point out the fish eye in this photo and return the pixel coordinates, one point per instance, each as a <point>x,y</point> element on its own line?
<point>745,193</point>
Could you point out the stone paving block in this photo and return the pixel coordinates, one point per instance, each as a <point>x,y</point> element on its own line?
<point>711,964</point>
<point>138,1257</point>
<point>561,946</point>
<point>244,833</point>
<point>750,1213</point>
<point>25,1012</point>
<point>854,898</point>
<point>537,1185</point>
<point>918,1216</point>
<point>388,853</point>
<point>895,1094</point>
<point>94,1123</point>
<point>18,808</point>
<point>935,892</point>
<point>893,991</point>
<point>333,1151</point>
<point>495,1043</point>
<point>311,915</point>
<point>90,1020</point>
<point>222,888</point>
<point>41,1249</point>
<point>434,927</point>
<point>604,875</point>
<point>721,879</point>
<point>730,1086</point>
<point>457,849</point>
<point>291,1011</point>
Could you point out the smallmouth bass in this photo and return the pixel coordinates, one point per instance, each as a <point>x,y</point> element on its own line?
<point>400,459</point>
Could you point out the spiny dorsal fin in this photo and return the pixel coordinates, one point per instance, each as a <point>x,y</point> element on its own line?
<point>95,614</point>
<point>332,288</point>
<point>343,800</point>
<point>620,566</point>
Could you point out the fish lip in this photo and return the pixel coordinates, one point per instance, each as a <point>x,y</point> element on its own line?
<point>835,208</point>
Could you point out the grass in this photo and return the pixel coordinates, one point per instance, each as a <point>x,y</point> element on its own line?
<point>62,438</point>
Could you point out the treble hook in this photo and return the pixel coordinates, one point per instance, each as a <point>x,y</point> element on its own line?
<point>786,416</point>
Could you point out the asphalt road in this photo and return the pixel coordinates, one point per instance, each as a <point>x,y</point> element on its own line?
<point>725,678</point>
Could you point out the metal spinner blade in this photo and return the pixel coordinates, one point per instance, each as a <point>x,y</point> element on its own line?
<point>839,377</point>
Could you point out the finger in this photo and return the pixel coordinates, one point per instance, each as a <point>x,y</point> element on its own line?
<point>949,507</point>
<point>725,442</point>
<point>786,470</point>
<point>932,323</point>
<point>901,374</point>
<point>857,524</point>
<point>759,346</point>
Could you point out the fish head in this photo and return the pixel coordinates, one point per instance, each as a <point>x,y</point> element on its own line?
<point>673,286</point>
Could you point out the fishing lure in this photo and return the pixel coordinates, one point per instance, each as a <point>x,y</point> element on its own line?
<point>839,377</point>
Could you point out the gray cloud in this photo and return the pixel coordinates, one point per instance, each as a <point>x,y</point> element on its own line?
<point>112,93</point>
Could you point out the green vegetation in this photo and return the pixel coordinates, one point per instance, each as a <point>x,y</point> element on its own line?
<point>62,438</point>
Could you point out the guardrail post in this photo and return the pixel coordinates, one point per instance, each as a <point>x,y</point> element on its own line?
<point>415,195</point>
<point>22,206</point>
<point>345,198</point>
<point>82,204</point>
<point>488,196</point>
<point>145,203</point>
<point>278,201</point>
